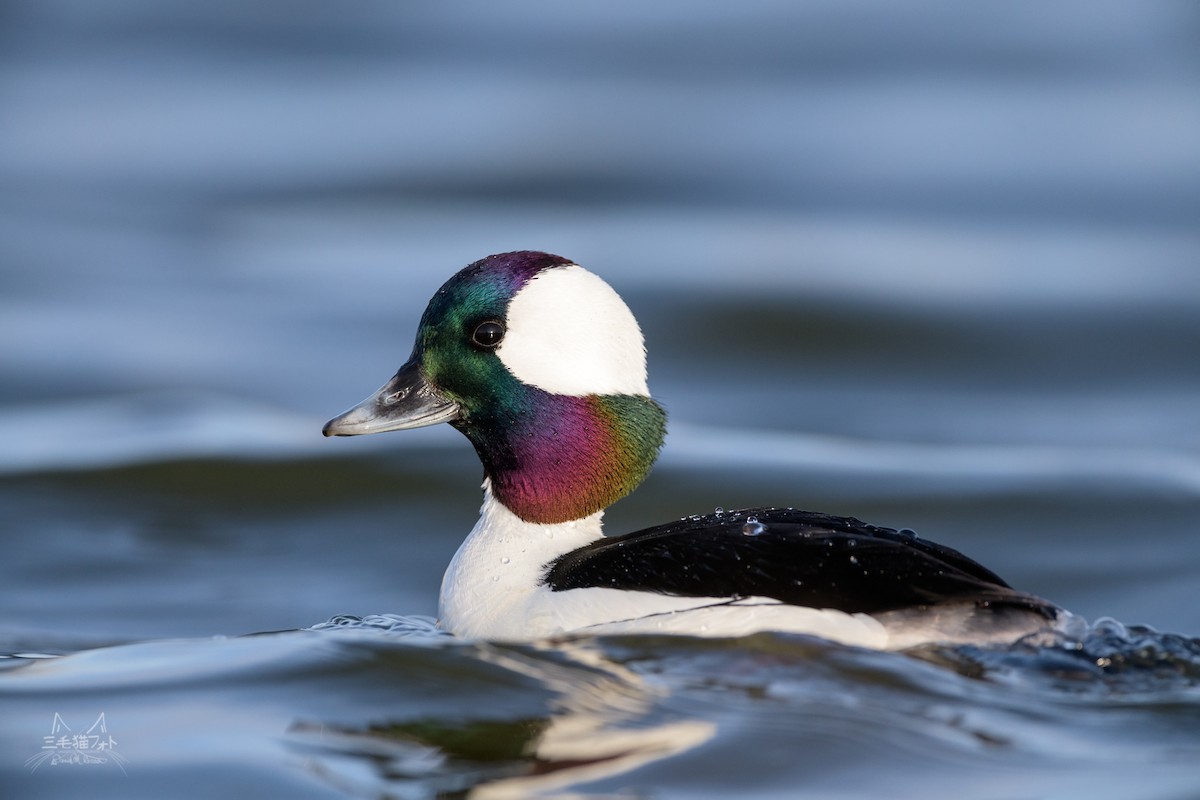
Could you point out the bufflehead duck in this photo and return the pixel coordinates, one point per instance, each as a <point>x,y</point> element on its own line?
<point>542,366</point>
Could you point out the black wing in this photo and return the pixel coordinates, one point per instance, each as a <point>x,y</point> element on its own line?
<point>798,557</point>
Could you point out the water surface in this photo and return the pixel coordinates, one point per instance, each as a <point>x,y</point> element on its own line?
<point>933,266</point>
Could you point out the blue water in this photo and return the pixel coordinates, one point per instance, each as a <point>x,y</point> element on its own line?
<point>933,265</point>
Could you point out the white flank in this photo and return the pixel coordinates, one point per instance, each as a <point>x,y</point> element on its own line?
<point>569,333</point>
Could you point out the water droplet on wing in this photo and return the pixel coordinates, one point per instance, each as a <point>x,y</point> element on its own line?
<point>752,527</point>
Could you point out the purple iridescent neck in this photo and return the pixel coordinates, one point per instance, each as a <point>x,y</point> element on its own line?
<point>565,458</point>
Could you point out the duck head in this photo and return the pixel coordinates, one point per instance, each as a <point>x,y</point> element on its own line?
<point>542,366</point>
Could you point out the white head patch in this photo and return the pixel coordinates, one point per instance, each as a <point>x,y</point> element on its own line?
<point>569,333</point>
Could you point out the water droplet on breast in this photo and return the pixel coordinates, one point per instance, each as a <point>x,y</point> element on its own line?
<point>752,527</point>
<point>907,533</point>
<point>495,578</point>
<point>719,511</point>
<point>853,559</point>
<point>505,560</point>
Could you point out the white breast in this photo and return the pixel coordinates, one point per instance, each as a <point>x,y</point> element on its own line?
<point>490,589</point>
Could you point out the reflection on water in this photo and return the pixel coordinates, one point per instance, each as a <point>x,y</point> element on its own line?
<point>602,724</point>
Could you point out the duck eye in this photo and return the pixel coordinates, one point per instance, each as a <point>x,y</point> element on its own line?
<point>488,334</point>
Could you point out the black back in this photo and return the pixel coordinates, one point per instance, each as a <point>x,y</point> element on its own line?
<point>798,557</point>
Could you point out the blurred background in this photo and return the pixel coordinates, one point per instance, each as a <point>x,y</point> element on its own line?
<point>934,265</point>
